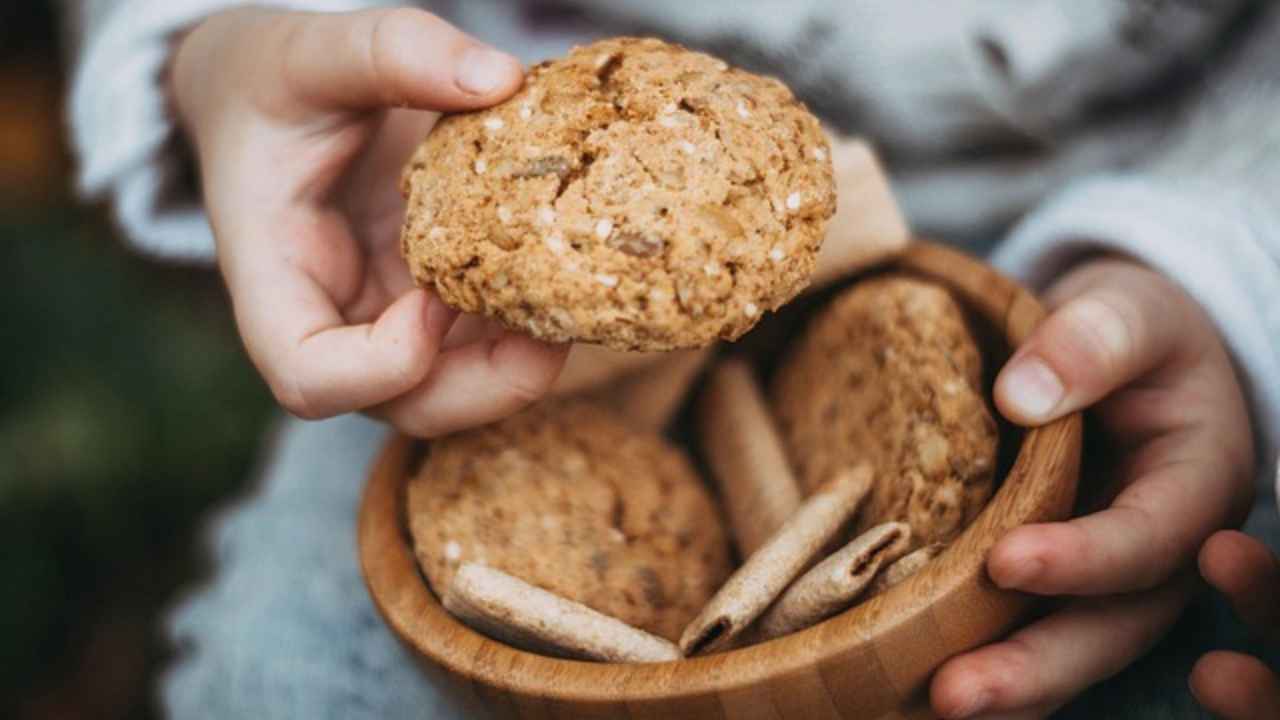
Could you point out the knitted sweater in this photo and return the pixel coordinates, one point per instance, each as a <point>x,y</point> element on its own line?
<point>1057,127</point>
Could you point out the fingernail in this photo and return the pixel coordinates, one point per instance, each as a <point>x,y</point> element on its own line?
<point>1033,388</point>
<point>482,70</point>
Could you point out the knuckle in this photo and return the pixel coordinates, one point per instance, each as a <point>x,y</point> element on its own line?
<point>1011,674</point>
<point>291,397</point>
<point>1075,548</point>
<point>287,388</point>
<point>410,362</point>
<point>528,383</point>
<point>1101,329</point>
<point>525,388</point>
<point>379,56</point>
<point>383,55</point>
<point>290,35</point>
<point>1155,550</point>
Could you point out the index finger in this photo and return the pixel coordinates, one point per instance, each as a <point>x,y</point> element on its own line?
<point>1153,527</point>
<point>315,363</point>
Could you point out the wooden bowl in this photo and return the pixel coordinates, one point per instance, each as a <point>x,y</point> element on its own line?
<point>872,661</point>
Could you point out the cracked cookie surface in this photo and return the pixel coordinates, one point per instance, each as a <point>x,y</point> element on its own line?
<point>889,372</point>
<point>633,194</point>
<point>565,496</point>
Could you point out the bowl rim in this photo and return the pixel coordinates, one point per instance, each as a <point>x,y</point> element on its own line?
<point>952,588</point>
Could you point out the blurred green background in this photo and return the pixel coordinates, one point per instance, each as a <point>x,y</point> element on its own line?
<point>127,410</point>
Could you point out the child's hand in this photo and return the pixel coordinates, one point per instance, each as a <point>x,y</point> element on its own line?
<point>1227,684</point>
<point>300,154</point>
<point>1130,343</point>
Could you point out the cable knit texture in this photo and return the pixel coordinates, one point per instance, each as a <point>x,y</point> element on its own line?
<point>1101,123</point>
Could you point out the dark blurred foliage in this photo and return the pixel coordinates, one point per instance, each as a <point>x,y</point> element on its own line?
<point>127,410</point>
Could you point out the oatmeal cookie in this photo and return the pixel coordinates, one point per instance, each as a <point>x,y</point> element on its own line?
<point>889,373</point>
<point>568,498</point>
<point>633,194</point>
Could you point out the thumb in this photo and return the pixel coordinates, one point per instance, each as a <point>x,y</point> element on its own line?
<point>392,58</point>
<point>1122,324</point>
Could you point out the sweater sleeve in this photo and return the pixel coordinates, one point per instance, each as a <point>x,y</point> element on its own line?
<point>1205,210</point>
<point>927,79</point>
<point>122,129</point>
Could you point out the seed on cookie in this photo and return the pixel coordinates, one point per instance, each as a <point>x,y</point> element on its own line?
<point>639,244</point>
<point>548,165</point>
<point>452,551</point>
<point>556,244</point>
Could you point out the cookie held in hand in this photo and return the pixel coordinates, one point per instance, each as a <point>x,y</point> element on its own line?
<point>569,498</point>
<point>633,194</point>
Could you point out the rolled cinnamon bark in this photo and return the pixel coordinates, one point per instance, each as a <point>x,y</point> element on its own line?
<point>523,615</point>
<point>833,584</point>
<point>903,568</point>
<point>746,456</point>
<point>768,571</point>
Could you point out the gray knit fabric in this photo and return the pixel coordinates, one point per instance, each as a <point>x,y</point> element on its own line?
<point>1094,123</point>
<point>285,627</point>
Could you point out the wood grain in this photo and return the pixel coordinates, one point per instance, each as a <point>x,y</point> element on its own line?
<point>871,661</point>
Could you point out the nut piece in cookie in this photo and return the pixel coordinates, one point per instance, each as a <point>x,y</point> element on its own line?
<point>569,498</point>
<point>889,373</point>
<point>633,194</point>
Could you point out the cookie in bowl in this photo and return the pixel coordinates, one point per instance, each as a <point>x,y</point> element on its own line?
<point>873,659</point>
<point>570,499</point>
<point>890,373</point>
<point>633,194</point>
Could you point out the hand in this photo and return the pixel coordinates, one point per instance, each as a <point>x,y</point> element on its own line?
<point>1131,344</point>
<point>1228,684</point>
<point>301,123</point>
